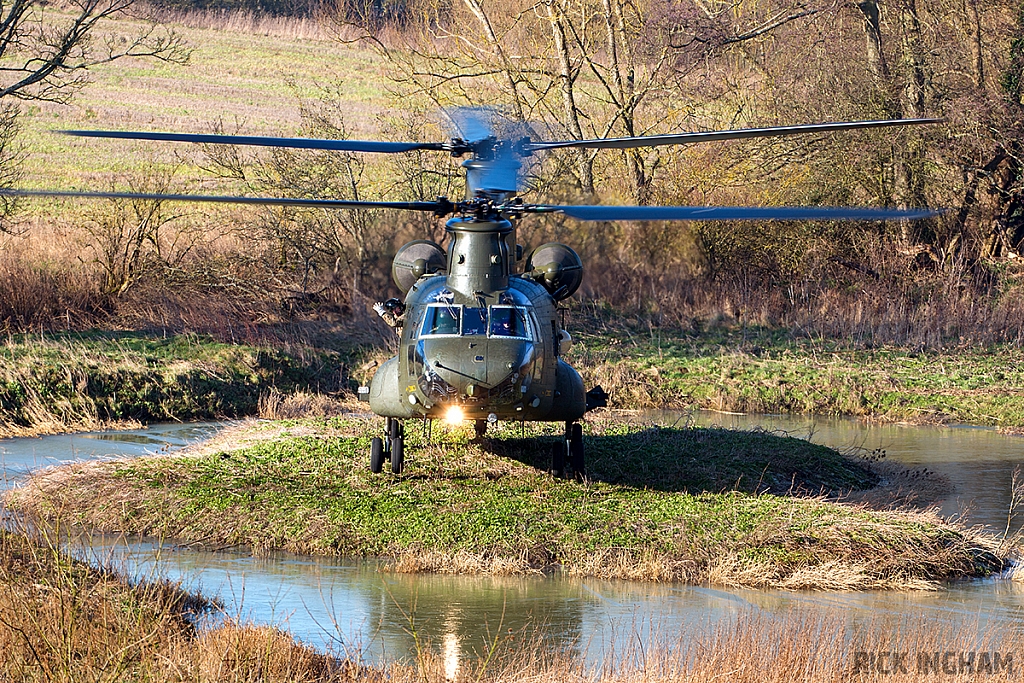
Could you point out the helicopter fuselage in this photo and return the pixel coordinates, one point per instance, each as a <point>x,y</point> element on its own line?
<point>479,338</point>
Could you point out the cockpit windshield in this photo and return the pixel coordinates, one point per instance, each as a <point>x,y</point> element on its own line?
<point>474,321</point>
<point>509,321</point>
<point>442,321</point>
<point>449,320</point>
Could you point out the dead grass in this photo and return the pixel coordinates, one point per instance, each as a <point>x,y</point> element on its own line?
<point>62,621</point>
<point>302,404</point>
<point>630,565</point>
<point>249,23</point>
<point>901,487</point>
<point>460,562</point>
<point>259,653</point>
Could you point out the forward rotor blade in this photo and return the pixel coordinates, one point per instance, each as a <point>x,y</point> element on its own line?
<point>260,141</point>
<point>438,207</point>
<point>688,138</point>
<point>730,213</point>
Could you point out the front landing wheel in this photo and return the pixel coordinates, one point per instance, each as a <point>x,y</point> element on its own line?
<point>376,455</point>
<point>397,454</point>
<point>576,456</point>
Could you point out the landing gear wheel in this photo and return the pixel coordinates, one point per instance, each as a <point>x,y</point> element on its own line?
<point>558,459</point>
<point>376,455</point>
<point>576,458</point>
<point>396,445</point>
<point>481,428</point>
<point>397,455</point>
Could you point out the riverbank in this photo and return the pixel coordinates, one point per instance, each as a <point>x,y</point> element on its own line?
<point>685,504</point>
<point>758,370</point>
<point>52,383</point>
<point>64,620</point>
<point>84,381</point>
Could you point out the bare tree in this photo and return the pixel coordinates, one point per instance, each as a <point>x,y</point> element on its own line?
<point>46,50</point>
<point>316,248</point>
<point>131,238</point>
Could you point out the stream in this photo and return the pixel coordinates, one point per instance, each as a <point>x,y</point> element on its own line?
<point>349,607</point>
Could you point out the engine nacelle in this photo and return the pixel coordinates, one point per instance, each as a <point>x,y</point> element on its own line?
<point>414,260</point>
<point>557,267</point>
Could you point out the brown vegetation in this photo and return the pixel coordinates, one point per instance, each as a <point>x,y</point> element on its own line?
<point>62,620</point>
<point>595,70</point>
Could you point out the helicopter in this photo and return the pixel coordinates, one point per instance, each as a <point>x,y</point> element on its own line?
<point>480,333</point>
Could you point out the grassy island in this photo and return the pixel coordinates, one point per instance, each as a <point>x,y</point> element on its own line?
<point>681,504</point>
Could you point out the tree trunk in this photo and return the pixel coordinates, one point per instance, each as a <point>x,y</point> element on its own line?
<point>912,171</point>
<point>976,43</point>
<point>567,83</point>
<point>873,36</point>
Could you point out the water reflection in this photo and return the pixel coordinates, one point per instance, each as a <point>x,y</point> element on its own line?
<point>354,608</point>
<point>18,457</point>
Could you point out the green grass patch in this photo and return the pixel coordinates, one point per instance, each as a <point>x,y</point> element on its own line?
<point>756,370</point>
<point>659,503</point>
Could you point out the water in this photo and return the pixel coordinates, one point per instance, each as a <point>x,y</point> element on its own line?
<point>978,461</point>
<point>18,457</point>
<point>351,607</point>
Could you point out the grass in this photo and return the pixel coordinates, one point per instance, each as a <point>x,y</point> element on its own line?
<point>758,370</point>
<point>697,505</point>
<point>241,73</point>
<point>76,381</point>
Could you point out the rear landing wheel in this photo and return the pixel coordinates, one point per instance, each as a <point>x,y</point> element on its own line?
<point>481,428</point>
<point>397,454</point>
<point>376,455</point>
<point>558,459</point>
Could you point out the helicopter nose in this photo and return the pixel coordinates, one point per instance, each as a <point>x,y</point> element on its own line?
<point>494,369</point>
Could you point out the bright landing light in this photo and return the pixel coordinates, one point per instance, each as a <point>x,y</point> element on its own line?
<point>454,415</point>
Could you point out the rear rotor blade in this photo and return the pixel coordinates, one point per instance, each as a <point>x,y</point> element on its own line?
<point>730,213</point>
<point>688,138</point>
<point>260,141</point>
<point>440,207</point>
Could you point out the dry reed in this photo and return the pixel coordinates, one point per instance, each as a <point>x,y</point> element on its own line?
<point>62,620</point>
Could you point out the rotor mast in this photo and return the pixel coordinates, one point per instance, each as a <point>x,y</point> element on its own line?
<point>482,242</point>
<point>481,255</point>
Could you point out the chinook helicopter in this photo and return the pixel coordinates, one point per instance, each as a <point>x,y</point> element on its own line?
<point>480,332</point>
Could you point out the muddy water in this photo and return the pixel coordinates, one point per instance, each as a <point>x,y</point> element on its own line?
<point>351,606</point>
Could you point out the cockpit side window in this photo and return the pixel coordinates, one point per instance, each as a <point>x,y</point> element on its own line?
<point>442,320</point>
<point>509,321</point>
